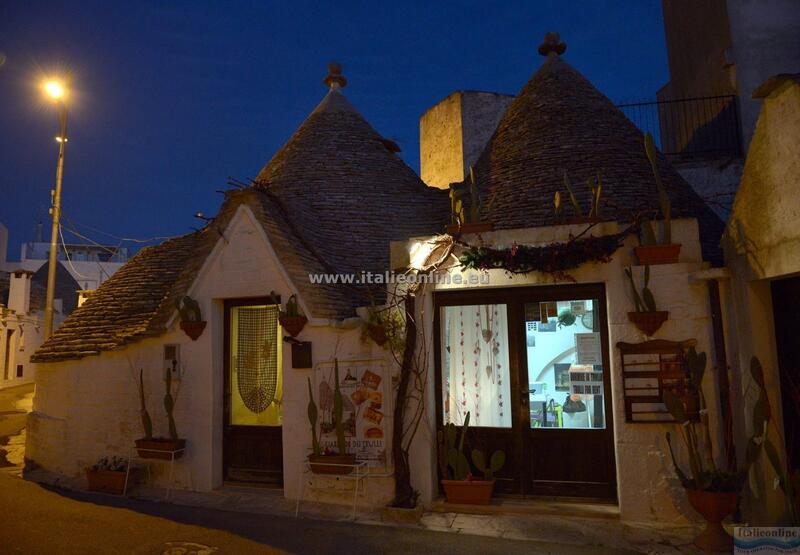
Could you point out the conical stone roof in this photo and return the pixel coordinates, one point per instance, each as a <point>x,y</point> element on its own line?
<point>346,190</point>
<point>560,122</point>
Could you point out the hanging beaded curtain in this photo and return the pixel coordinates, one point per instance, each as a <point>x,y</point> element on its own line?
<point>257,356</point>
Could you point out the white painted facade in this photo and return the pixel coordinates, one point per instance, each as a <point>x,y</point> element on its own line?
<point>88,408</point>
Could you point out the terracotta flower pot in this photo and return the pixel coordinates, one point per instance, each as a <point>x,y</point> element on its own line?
<point>193,329</point>
<point>377,332</point>
<point>330,460</point>
<point>106,481</point>
<point>293,324</point>
<point>468,492</point>
<point>160,448</point>
<point>648,322</point>
<point>714,507</point>
<point>477,227</point>
<point>657,254</point>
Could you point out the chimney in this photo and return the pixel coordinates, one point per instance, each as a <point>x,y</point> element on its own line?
<point>19,292</point>
<point>454,132</point>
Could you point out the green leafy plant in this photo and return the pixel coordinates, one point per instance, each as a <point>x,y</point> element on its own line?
<point>644,302</point>
<point>647,234</point>
<point>566,318</point>
<point>147,423</point>
<point>312,419</point>
<point>496,463</point>
<point>114,464</point>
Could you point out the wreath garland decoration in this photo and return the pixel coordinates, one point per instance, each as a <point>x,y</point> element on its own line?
<point>555,259</point>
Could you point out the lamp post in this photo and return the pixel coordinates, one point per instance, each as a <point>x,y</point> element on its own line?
<point>56,92</point>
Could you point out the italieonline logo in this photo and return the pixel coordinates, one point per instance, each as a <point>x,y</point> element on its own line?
<point>766,540</point>
<point>378,278</point>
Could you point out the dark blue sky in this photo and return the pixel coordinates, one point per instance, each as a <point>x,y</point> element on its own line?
<point>173,97</point>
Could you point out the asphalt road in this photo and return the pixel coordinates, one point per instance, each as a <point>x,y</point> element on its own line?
<point>39,520</point>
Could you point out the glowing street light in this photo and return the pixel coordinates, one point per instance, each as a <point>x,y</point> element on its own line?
<point>57,92</point>
<point>54,89</point>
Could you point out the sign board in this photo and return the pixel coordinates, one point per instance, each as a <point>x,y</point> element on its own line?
<point>366,393</point>
<point>588,348</point>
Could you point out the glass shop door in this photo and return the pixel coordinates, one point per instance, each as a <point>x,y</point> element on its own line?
<point>568,442</point>
<point>530,366</point>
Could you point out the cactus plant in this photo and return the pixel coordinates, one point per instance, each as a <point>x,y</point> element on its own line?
<point>663,197</point>
<point>189,309</point>
<point>474,198</point>
<point>312,419</point>
<point>454,445</point>
<point>147,423</point>
<point>595,186</point>
<point>338,410</point>
<point>169,402</point>
<point>496,463</point>
<point>645,302</point>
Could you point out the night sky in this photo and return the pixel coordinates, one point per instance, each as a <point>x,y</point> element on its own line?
<point>170,98</point>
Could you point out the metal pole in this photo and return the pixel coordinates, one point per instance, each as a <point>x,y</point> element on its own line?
<point>55,211</point>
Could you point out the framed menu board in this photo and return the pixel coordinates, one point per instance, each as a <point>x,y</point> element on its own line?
<point>366,396</point>
<point>648,369</point>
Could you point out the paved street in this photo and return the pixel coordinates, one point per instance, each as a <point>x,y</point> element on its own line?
<point>37,520</point>
<point>15,403</point>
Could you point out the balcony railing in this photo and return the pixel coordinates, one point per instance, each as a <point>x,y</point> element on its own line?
<point>688,128</point>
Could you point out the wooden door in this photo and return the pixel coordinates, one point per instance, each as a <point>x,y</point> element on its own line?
<point>548,451</point>
<point>785,310</point>
<point>253,393</point>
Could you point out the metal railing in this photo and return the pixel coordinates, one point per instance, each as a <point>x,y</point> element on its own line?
<point>688,128</point>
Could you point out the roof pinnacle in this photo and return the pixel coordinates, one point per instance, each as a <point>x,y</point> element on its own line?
<point>552,44</point>
<point>335,79</point>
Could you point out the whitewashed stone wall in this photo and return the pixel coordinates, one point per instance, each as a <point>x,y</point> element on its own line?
<point>89,408</point>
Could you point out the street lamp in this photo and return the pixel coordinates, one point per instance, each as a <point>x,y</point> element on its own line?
<point>55,91</point>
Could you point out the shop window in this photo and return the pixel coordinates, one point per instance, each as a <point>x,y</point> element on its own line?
<point>475,365</point>
<point>565,365</point>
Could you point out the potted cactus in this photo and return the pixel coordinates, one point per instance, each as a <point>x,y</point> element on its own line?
<point>326,461</point>
<point>711,490</point>
<point>461,486</point>
<point>650,251</point>
<point>290,318</point>
<point>192,322</point>
<point>593,216</point>
<point>164,448</point>
<point>107,475</point>
<point>646,317</point>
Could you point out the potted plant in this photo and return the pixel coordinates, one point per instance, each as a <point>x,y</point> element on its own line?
<point>291,319</point>
<point>712,491</point>
<point>650,251</point>
<point>107,475</point>
<point>164,448</point>
<point>191,321</point>
<point>593,215</point>
<point>461,486</point>
<point>646,317</point>
<point>327,461</point>
<point>463,221</point>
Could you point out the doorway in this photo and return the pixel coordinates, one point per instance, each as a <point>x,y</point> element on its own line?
<point>785,308</point>
<point>531,367</point>
<point>253,392</point>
